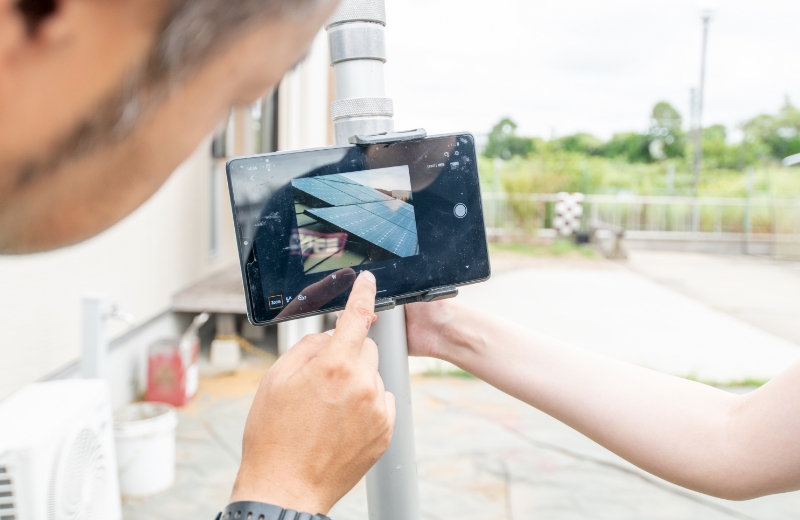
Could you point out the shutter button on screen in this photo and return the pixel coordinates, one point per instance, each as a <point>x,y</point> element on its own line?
<point>460,210</point>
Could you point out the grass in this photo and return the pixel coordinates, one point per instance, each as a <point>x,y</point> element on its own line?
<point>559,248</point>
<point>440,372</point>
<point>562,171</point>
<point>748,382</point>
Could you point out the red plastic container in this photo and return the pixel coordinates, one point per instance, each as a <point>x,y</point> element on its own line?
<point>172,371</point>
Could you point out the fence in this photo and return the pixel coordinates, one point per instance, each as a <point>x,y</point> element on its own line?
<point>756,225</point>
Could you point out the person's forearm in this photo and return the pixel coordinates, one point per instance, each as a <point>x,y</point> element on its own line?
<point>671,427</point>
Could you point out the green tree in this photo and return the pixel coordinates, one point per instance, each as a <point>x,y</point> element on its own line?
<point>505,143</point>
<point>630,146</point>
<point>779,133</point>
<point>666,126</point>
<point>582,143</point>
<point>717,152</point>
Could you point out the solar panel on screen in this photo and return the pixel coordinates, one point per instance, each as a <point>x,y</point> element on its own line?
<point>337,190</point>
<point>395,211</point>
<point>398,238</point>
<point>363,211</point>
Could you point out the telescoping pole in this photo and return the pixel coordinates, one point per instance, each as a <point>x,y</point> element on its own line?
<point>358,52</point>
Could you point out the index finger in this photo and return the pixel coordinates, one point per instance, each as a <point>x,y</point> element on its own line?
<point>359,314</point>
<point>313,297</point>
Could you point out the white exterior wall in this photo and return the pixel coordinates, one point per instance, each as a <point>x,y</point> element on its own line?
<point>304,122</point>
<point>303,113</point>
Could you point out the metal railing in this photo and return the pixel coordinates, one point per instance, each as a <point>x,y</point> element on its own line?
<point>753,220</point>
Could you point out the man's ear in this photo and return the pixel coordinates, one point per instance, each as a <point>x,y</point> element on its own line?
<point>12,39</point>
<point>35,12</point>
<point>24,21</point>
<point>12,24</point>
<point>49,21</point>
<point>23,25</point>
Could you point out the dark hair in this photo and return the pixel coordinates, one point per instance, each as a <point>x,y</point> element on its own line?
<point>193,30</point>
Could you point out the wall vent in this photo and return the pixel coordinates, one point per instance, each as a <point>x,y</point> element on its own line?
<point>7,509</point>
<point>58,463</point>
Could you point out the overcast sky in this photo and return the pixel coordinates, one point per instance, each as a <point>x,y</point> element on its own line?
<point>393,178</point>
<point>596,66</point>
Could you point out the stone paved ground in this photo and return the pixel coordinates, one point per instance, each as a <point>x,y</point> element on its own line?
<point>484,455</point>
<point>481,455</point>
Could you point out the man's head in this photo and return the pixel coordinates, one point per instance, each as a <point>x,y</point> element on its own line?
<point>101,99</point>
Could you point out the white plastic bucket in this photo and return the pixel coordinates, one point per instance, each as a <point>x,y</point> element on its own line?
<point>145,441</point>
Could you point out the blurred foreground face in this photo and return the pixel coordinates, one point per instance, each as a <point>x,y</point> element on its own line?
<point>101,99</point>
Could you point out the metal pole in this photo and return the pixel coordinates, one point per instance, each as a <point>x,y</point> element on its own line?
<point>93,361</point>
<point>698,135</point>
<point>392,488</point>
<point>748,222</point>
<point>358,53</point>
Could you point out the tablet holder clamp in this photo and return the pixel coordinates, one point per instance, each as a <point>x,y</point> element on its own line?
<point>432,295</point>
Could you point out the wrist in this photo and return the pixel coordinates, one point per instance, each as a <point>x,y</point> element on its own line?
<point>285,491</point>
<point>460,337</point>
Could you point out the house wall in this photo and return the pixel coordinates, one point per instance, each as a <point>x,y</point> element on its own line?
<point>304,97</point>
<point>304,122</point>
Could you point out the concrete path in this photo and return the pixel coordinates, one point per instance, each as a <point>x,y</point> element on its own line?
<point>604,307</point>
<point>759,291</point>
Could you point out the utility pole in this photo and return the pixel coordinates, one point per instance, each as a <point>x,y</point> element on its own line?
<point>358,53</point>
<point>698,135</point>
<point>93,337</point>
<point>748,220</point>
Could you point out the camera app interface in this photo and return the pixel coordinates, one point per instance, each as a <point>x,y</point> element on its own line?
<point>355,218</point>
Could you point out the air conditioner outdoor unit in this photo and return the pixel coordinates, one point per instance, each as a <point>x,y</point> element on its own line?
<point>57,459</point>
